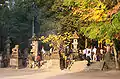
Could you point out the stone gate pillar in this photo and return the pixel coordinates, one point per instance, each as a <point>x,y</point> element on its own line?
<point>34,47</point>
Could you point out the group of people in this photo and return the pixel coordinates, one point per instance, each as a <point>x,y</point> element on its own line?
<point>36,61</point>
<point>65,59</point>
<point>89,54</point>
<point>39,59</point>
<point>97,54</point>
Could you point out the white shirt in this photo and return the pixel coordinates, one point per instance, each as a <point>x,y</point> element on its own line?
<point>108,48</point>
<point>101,51</point>
<point>50,50</point>
<point>94,50</point>
<point>88,54</point>
<point>84,51</point>
<point>88,50</point>
<point>43,50</point>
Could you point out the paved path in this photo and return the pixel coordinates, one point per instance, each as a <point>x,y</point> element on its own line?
<point>75,73</point>
<point>37,74</point>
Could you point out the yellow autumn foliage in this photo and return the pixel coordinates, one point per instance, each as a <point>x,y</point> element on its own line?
<point>97,12</point>
<point>56,40</point>
<point>108,41</point>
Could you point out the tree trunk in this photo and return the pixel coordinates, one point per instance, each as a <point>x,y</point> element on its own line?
<point>115,55</point>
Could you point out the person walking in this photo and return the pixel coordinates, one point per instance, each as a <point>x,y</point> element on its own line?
<point>88,58</point>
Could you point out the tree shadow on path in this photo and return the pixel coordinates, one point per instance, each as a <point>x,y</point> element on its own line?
<point>88,75</point>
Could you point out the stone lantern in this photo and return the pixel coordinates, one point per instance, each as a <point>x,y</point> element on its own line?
<point>75,41</point>
<point>8,46</point>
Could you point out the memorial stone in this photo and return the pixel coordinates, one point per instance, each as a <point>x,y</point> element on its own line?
<point>14,57</point>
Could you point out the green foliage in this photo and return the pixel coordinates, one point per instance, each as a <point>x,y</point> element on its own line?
<point>63,17</point>
<point>16,21</point>
<point>103,30</point>
<point>87,16</point>
<point>74,14</point>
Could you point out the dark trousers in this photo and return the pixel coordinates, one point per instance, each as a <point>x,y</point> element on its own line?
<point>62,64</point>
<point>88,59</point>
<point>105,65</point>
<point>84,56</point>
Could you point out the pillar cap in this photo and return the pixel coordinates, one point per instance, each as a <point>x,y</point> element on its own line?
<point>75,36</point>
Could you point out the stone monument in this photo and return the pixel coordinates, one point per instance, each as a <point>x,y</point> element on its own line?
<point>14,57</point>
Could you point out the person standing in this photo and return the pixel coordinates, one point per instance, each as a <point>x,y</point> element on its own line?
<point>102,53</point>
<point>94,54</point>
<point>62,59</point>
<point>51,50</point>
<point>107,57</point>
<point>43,52</point>
<point>88,56</point>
